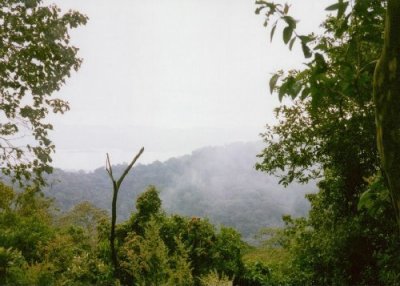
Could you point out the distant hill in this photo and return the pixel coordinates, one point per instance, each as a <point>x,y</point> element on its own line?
<point>215,182</point>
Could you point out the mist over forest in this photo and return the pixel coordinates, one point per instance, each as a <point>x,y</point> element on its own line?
<point>178,75</point>
<point>219,183</point>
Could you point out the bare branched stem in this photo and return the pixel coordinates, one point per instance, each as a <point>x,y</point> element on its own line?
<point>116,186</point>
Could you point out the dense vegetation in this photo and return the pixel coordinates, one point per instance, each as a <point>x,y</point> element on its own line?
<point>219,183</point>
<point>39,246</point>
<point>326,131</point>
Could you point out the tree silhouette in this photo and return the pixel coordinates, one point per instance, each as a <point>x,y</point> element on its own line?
<point>116,186</point>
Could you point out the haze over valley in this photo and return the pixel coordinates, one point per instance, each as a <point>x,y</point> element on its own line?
<point>219,183</point>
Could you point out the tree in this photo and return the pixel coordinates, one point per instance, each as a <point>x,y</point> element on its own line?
<point>25,221</point>
<point>228,249</point>
<point>86,216</point>
<point>387,102</point>
<point>331,118</point>
<point>192,245</point>
<point>33,251</point>
<point>36,57</point>
<point>386,83</point>
<point>148,206</point>
<point>327,131</point>
<point>25,226</point>
<point>146,257</point>
<point>116,186</point>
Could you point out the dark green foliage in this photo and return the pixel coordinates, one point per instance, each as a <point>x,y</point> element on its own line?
<point>25,221</point>
<point>330,247</point>
<point>39,247</point>
<point>11,266</point>
<point>148,203</point>
<point>144,258</point>
<point>154,249</point>
<point>35,58</point>
<point>387,103</point>
<point>86,217</point>
<point>196,239</point>
<point>229,249</point>
<point>148,206</point>
<point>34,251</point>
<point>328,132</point>
<point>333,120</point>
<point>255,274</point>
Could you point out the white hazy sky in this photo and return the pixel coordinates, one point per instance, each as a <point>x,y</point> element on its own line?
<point>171,76</point>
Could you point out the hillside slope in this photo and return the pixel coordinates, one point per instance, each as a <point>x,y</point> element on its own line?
<point>215,182</point>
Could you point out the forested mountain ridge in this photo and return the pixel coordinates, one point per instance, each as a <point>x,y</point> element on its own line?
<point>215,182</point>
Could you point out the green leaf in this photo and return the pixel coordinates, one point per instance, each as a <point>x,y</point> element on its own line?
<point>315,100</point>
<point>291,43</point>
<point>290,87</point>
<point>342,9</point>
<point>306,50</point>
<point>333,7</point>
<point>296,88</point>
<point>306,39</point>
<point>305,92</point>
<point>272,82</point>
<point>321,65</point>
<point>339,6</point>
<point>287,34</point>
<point>366,200</point>
<point>290,21</point>
<point>281,94</point>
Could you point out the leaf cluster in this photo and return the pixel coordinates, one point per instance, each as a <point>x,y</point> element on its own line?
<point>36,57</point>
<point>326,131</point>
<point>331,118</point>
<point>156,249</point>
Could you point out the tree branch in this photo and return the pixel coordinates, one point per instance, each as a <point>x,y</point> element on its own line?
<point>129,167</point>
<point>109,168</point>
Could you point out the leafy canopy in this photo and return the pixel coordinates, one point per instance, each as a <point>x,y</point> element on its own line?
<point>330,121</point>
<point>36,57</point>
<point>326,131</point>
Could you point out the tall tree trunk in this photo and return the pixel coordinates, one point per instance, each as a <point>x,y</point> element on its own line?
<point>387,102</point>
<point>112,232</point>
<point>116,185</point>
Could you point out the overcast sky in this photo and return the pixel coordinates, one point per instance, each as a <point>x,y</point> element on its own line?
<point>170,75</point>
